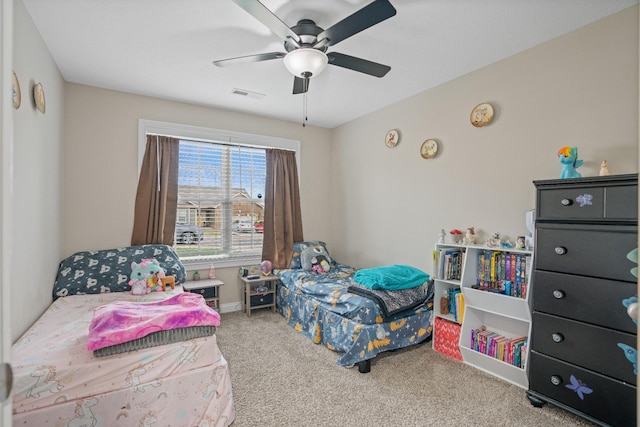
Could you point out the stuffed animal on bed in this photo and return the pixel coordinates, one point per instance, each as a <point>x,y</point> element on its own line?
<point>320,264</point>
<point>148,272</point>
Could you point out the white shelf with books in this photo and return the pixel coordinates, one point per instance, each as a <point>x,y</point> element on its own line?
<point>494,283</point>
<point>448,261</point>
<point>448,306</point>
<point>496,344</point>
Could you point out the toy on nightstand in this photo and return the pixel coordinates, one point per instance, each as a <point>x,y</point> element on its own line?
<point>568,156</point>
<point>266,267</point>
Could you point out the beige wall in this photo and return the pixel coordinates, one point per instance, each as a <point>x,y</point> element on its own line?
<point>38,151</point>
<point>580,90</point>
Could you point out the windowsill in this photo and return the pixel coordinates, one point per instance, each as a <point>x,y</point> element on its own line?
<point>203,264</point>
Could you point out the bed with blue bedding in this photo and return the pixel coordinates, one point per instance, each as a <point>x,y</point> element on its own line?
<point>333,309</point>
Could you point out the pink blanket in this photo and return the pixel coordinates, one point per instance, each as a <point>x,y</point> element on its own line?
<point>124,321</point>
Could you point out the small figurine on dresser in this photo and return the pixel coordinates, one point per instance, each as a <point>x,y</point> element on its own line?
<point>604,168</point>
<point>441,236</point>
<point>568,156</point>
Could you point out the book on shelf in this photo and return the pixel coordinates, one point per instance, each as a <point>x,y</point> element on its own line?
<point>459,307</point>
<point>503,272</point>
<point>449,262</point>
<point>455,303</point>
<point>509,350</point>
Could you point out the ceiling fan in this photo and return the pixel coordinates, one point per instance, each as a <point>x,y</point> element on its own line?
<point>306,43</point>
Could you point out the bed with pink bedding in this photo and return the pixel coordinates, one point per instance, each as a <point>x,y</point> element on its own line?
<point>58,380</point>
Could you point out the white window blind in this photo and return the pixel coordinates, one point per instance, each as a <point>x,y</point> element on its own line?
<point>221,192</point>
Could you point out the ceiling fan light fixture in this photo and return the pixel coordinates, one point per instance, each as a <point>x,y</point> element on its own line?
<point>305,62</point>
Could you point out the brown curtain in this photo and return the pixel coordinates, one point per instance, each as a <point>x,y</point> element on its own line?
<point>157,197</point>
<point>282,214</point>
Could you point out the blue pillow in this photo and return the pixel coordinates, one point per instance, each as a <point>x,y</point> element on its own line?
<point>95,272</point>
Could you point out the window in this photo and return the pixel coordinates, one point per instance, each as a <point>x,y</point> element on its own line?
<point>221,188</point>
<point>221,192</point>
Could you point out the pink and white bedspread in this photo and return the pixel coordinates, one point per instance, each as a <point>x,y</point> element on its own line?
<point>58,382</point>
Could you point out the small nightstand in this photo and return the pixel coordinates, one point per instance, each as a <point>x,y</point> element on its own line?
<point>254,299</point>
<point>208,288</point>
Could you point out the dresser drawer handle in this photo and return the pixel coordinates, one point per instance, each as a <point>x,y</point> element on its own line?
<point>557,337</point>
<point>556,379</point>
<point>566,202</point>
<point>558,294</point>
<point>560,250</point>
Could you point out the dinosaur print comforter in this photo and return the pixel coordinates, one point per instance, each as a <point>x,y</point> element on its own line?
<point>57,381</point>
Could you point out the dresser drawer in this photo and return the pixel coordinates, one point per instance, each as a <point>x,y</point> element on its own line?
<point>573,203</point>
<point>588,199</point>
<point>611,401</point>
<point>588,250</point>
<point>591,347</point>
<point>591,300</point>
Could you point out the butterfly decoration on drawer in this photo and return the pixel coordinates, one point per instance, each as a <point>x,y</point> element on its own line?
<point>579,387</point>
<point>584,200</point>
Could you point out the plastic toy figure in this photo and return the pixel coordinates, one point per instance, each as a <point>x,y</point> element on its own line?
<point>569,159</point>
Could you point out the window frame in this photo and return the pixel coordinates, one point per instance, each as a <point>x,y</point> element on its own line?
<point>199,133</point>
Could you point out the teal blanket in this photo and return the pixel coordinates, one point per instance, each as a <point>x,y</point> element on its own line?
<point>391,277</point>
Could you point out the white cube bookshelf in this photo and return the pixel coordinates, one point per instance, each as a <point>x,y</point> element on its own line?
<point>506,315</point>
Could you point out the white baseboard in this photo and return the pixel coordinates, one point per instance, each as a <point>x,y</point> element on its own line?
<point>230,307</point>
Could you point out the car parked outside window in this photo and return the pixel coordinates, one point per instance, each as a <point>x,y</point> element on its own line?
<point>188,234</point>
<point>259,227</point>
<point>240,226</point>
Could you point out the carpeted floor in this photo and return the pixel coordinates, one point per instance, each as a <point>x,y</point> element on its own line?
<point>280,378</point>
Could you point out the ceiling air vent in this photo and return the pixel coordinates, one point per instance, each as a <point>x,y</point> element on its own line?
<point>248,93</point>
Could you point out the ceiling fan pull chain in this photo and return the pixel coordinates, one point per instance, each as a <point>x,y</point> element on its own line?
<point>304,109</point>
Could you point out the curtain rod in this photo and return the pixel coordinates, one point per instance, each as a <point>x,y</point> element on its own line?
<point>220,142</point>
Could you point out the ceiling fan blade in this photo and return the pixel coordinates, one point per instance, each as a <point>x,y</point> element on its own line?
<point>250,58</point>
<point>300,85</point>
<point>358,64</point>
<point>271,21</point>
<point>364,18</point>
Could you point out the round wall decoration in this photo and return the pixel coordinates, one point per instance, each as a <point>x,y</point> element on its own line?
<point>16,96</point>
<point>429,148</point>
<point>392,138</point>
<point>482,115</point>
<point>38,97</point>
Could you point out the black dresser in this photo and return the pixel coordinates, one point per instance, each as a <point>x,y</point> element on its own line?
<point>583,342</point>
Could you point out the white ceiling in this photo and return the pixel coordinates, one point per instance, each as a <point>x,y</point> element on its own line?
<point>165,48</point>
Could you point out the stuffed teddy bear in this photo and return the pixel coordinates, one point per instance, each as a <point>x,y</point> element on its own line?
<point>149,273</point>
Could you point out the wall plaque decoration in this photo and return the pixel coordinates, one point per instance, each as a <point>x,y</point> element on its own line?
<point>38,97</point>
<point>392,138</point>
<point>429,149</point>
<point>16,96</point>
<point>482,115</point>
